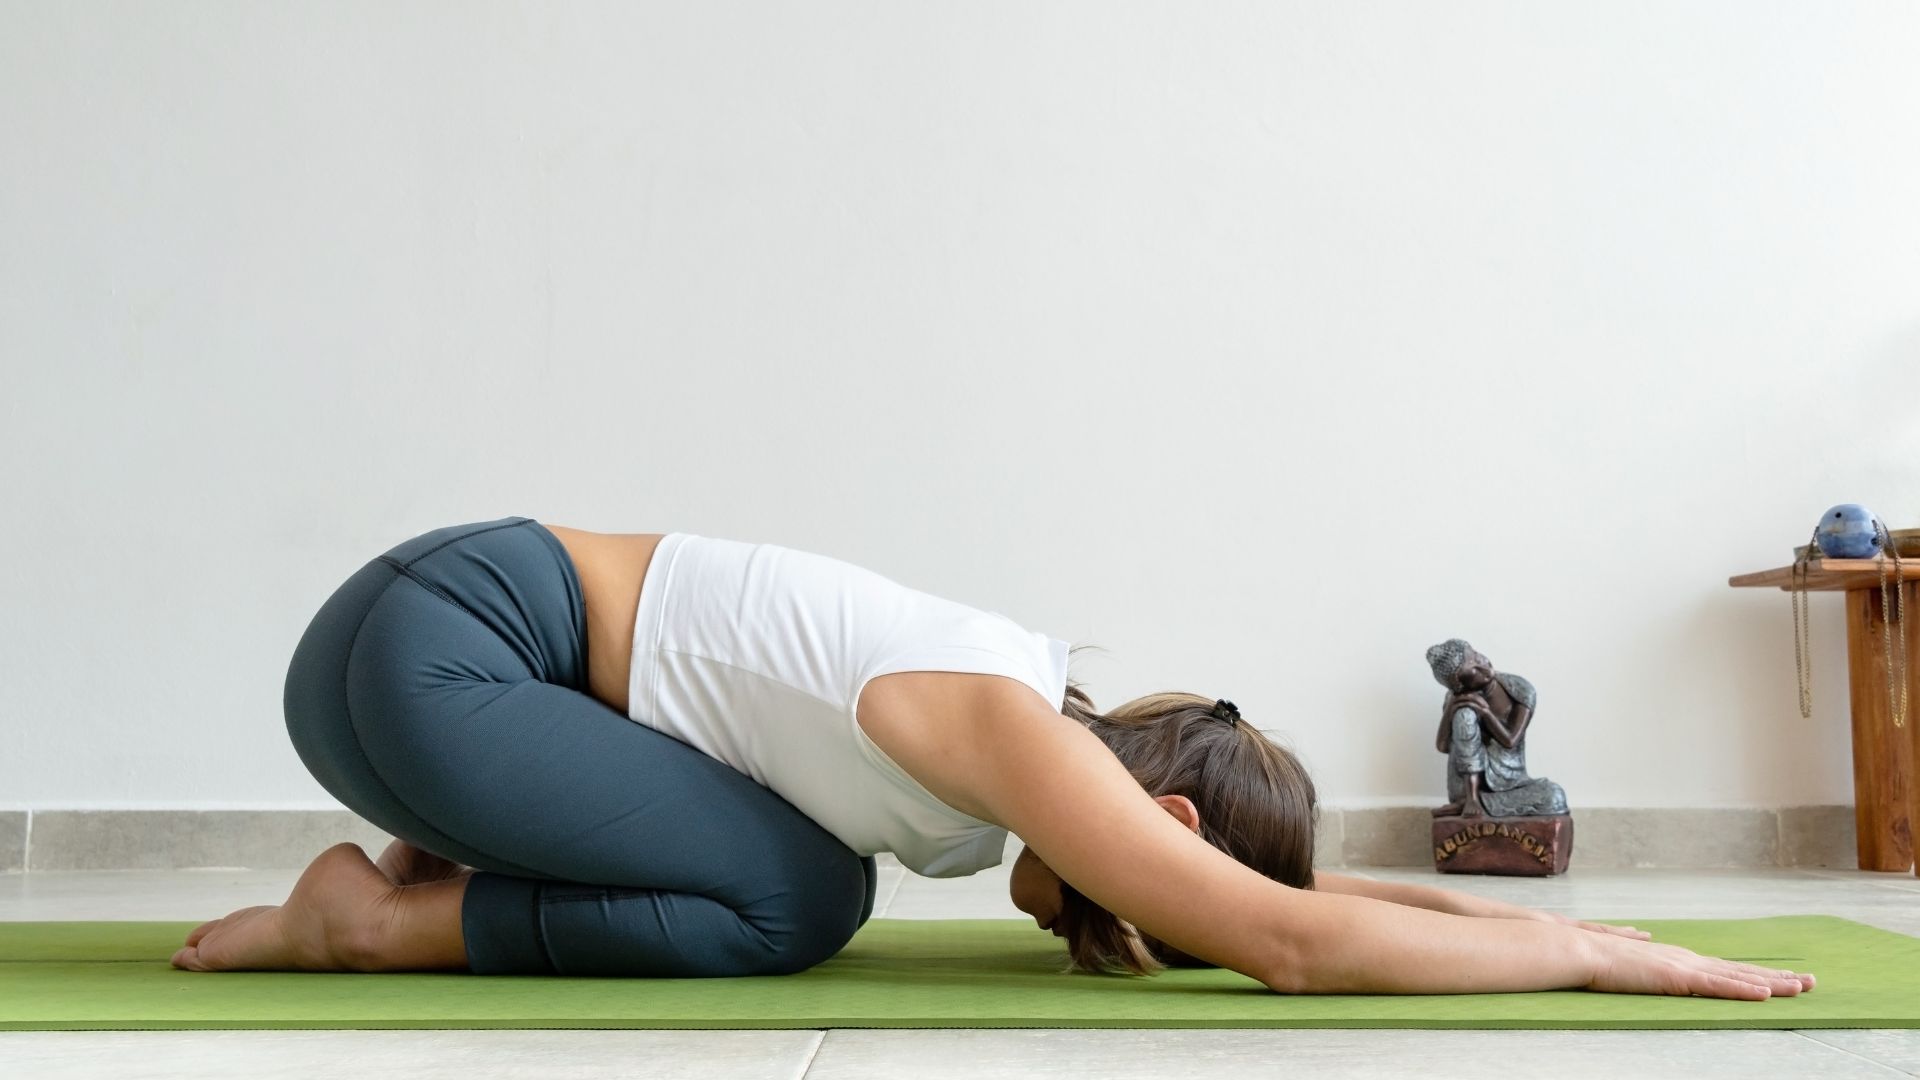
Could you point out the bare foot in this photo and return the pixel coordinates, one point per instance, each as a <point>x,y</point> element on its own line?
<point>406,864</point>
<point>340,905</point>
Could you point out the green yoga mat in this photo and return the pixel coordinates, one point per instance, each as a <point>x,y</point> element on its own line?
<point>996,973</point>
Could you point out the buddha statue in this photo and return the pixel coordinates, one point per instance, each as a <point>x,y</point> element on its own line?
<point>1483,729</point>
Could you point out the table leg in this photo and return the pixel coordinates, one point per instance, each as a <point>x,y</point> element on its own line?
<point>1883,755</point>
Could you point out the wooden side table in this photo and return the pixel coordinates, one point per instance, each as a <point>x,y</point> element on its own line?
<point>1886,802</point>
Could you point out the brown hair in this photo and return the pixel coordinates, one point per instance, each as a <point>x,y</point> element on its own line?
<point>1255,800</point>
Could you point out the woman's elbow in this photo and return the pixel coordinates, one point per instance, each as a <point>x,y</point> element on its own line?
<point>1287,975</point>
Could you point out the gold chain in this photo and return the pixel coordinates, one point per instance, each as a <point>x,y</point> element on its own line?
<point>1893,610</point>
<point>1803,626</point>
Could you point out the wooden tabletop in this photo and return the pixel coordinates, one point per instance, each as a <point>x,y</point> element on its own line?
<point>1830,575</point>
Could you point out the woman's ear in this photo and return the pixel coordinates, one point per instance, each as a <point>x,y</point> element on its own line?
<point>1182,809</point>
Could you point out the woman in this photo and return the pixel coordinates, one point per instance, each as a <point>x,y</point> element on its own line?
<point>673,755</point>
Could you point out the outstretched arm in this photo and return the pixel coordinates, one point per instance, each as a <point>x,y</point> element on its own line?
<point>1005,755</point>
<point>1453,903</point>
<point>1406,893</point>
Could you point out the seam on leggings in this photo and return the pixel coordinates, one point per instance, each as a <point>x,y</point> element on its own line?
<point>346,708</point>
<point>540,934</point>
<point>442,594</point>
<point>569,570</point>
<point>457,539</point>
<point>599,893</point>
<point>604,895</point>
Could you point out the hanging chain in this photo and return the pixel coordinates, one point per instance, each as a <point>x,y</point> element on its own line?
<point>1893,612</point>
<point>1803,626</point>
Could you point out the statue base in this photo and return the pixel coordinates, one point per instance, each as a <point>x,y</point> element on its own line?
<point>1515,846</point>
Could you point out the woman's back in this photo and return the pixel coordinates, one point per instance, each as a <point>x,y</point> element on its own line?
<point>611,567</point>
<point>758,656</point>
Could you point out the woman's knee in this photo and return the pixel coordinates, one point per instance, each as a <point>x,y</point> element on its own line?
<point>817,916</point>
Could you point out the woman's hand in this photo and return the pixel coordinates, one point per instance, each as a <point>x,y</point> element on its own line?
<point>1498,910</point>
<point>1624,966</point>
<point>1459,903</point>
<point>1455,903</point>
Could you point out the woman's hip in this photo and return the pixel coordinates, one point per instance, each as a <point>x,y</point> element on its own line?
<point>482,602</point>
<point>511,577</point>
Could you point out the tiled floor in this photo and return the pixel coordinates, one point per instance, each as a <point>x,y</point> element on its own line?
<point>1891,901</point>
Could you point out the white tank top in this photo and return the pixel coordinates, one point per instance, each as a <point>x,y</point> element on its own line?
<point>755,654</point>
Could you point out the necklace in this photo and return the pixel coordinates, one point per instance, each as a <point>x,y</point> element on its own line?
<point>1893,611</point>
<point>1897,616</point>
<point>1803,625</point>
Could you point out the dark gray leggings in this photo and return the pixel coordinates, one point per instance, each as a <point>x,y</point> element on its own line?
<point>440,694</point>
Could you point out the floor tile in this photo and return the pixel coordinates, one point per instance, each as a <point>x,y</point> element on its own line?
<point>889,886</point>
<point>1690,894</point>
<point>1904,880</point>
<point>417,1055</point>
<point>1786,890</point>
<point>1228,1054</point>
<point>43,895</point>
<point>1896,1049</point>
<point>984,895</point>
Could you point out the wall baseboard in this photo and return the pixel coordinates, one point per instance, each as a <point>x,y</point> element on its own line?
<point>1618,837</point>
<point>1604,837</point>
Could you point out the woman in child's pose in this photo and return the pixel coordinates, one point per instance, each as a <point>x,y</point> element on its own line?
<point>674,755</point>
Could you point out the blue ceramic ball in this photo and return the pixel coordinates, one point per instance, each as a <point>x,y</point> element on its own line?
<point>1847,532</point>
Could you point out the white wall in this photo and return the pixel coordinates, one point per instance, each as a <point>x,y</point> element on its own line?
<point>1264,345</point>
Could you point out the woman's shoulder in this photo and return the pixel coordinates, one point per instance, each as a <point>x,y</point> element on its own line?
<point>926,721</point>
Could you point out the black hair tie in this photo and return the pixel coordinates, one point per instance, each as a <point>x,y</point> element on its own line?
<point>1227,711</point>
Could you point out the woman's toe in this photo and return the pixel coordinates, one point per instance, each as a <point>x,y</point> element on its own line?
<point>251,939</point>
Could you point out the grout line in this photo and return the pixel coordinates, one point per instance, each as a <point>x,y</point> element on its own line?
<point>1894,1070</point>
<point>880,909</point>
<point>807,1065</point>
<point>1899,886</point>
